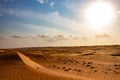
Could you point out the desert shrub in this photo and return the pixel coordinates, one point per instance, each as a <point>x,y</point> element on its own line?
<point>116,54</point>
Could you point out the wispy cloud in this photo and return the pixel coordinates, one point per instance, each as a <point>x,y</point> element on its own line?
<point>1,37</point>
<point>83,38</point>
<point>8,0</point>
<point>39,36</point>
<point>70,3</point>
<point>42,1</point>
<point>76,7</point>
<point>60,37</point>
<point>78,38</point>
<point>52,4</point>
<point>48,37</point>
<point>75,4</point>
<point>16,12</point>
<point>57,37</point>
<point>52,18</point>
<point>43,36</point>
<point>105,35</point>
<point>18,36</point>
<point>54,22</point>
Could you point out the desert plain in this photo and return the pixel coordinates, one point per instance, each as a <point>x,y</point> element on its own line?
<point>61,63</point>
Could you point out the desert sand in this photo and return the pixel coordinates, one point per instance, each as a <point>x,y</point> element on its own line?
<point>61,63</point>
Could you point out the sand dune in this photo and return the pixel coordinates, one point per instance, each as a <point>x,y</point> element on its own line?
<point>29,62</point>
<point>61,63</point>
<point>40,68</point>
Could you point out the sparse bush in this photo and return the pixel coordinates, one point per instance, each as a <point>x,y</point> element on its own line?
<point>115,54</point>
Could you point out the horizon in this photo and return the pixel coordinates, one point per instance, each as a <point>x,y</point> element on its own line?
<point>60,46</point>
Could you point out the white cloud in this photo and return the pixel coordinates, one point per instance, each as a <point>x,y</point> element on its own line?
<point>69,4</point>
<point>52,4</point>
<point>42,1</point>
<point>24,28</point>
<point>57,22</point>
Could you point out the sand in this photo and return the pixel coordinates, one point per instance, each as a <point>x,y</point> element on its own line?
<point>61,63</point>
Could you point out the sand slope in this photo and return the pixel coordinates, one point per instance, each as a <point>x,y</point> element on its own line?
<point>40,68</point>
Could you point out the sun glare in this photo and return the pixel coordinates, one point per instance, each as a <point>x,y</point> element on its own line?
<point>99,14</point>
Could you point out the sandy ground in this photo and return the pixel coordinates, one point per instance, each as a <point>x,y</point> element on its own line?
<point>61,63</point>
<point>40,68</point>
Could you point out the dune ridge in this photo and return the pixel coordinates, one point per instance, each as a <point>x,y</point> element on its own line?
<point>40,68</point>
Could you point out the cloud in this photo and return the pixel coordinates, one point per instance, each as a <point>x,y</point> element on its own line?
<point>79,38</point>
<point>74,4</point>
<point>105,35</point>
<point>52,4</point>
<point>8,0</point>
<point>33,36</point>
<point>70,3</point>
<point>42,1</point>
<point>60,37</point>
<point>16,12</point>
<point>54,22</point>
<point>83,38</point>
<point>48,38</point>
<point>52,18</point>
<point>77,7</point>
<point>43,36</point>
<point>57,37</point>
<point>73,37</point>
<point>1,37</point>
<point>21,28</point>
<point>18,36</point>
<point>39,36</point>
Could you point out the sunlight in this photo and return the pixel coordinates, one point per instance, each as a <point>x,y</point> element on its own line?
<point>99,14</point>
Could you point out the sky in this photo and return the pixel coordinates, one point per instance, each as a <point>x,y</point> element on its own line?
<point>40,23</point>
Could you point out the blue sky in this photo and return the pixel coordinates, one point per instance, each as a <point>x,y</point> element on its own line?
<point>34,23</point>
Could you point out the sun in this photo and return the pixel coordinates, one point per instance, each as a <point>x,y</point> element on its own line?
<point>99,14</point>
